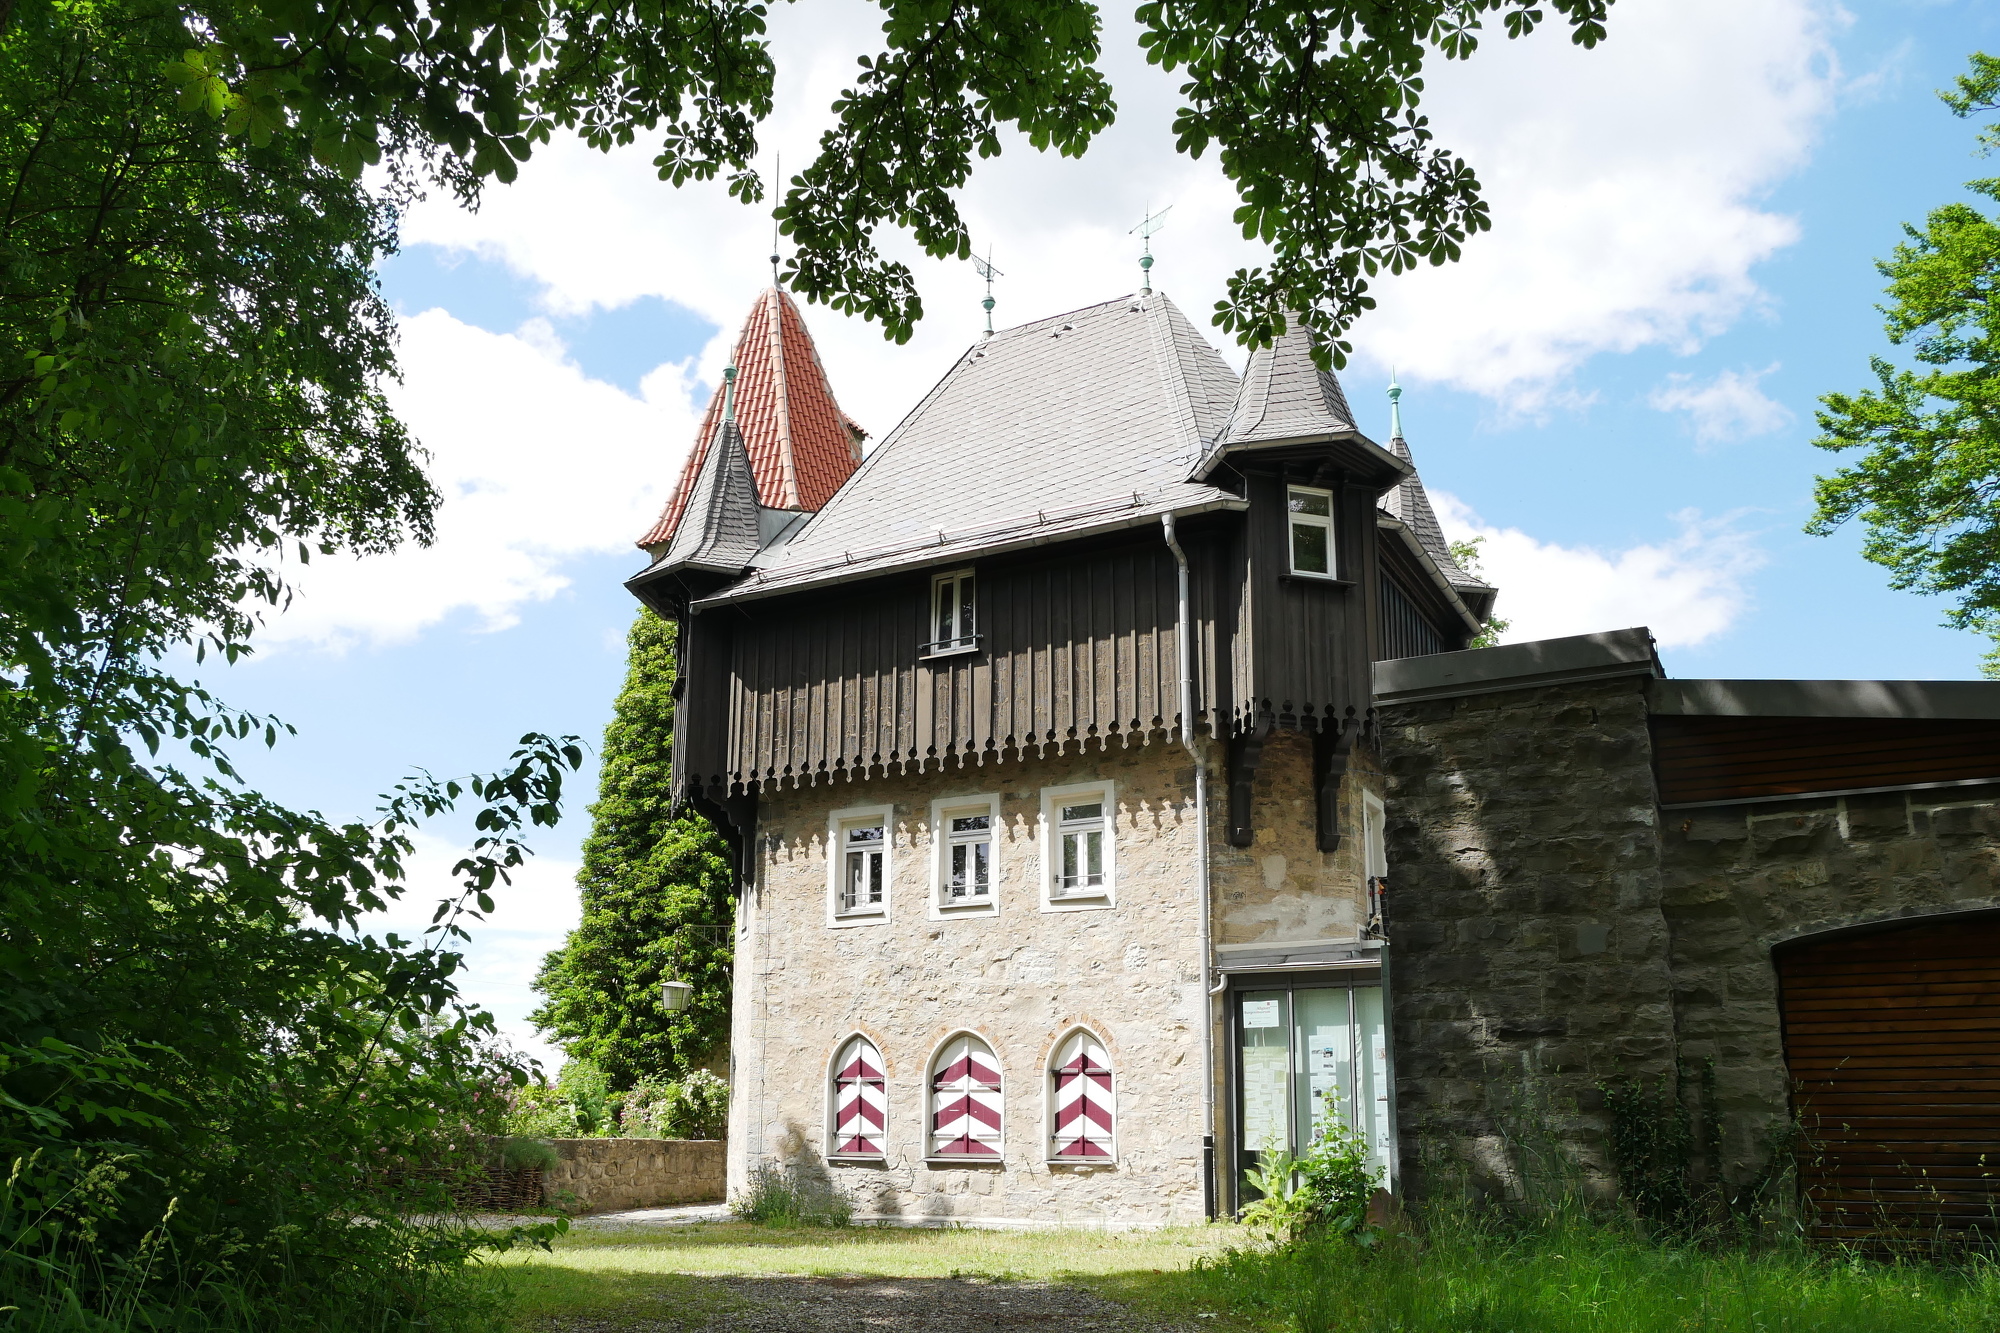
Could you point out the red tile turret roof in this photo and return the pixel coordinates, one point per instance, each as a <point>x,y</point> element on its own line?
<point>801,445</point>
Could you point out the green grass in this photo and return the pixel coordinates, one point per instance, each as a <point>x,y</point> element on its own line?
<point>1564,1276</point>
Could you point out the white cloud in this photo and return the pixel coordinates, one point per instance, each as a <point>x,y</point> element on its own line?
<point>1730,406</point>
<point>537,464</point>
<point>1687,590</point>
<point>531,916</point>
<point>1625,184</point>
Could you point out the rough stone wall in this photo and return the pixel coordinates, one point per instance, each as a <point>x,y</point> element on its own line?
<point>1282,887</point>
<point>1527,951</point>
<point>606,1175</point>
<point>1738,880</point>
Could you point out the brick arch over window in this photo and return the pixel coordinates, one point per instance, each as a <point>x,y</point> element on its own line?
<point>965,1095</point>
<point>1082,1105</point>
<point>860,1100</point>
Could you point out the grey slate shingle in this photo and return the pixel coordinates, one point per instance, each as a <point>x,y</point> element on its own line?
<point>718,530</point>
<point>1408,502</point>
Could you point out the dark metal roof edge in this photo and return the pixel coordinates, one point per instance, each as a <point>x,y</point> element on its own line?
<point>1518,666</point>
<point>1970,700</point>
<point>922,557</point>
<point>1225,447</point>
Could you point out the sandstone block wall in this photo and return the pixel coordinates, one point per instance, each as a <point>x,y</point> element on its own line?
<point>1282,887</point>
<point>606,1175</point>
<point>1528,952</point>
<point>1738,880</point>
<point>1549,926</point>
<point>1020,977</point>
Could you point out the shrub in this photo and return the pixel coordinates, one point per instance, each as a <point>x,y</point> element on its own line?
<point>1323,1193</point>
<point>696,1107</point>
<point>789,1197</point>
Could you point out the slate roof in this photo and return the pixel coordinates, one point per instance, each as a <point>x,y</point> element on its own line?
<point>720,528</point>
<point>801,445</point>
<point>1408,503</point>
<point>1073,423</point>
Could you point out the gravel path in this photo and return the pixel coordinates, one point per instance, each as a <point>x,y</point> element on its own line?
<point>895,1305</point>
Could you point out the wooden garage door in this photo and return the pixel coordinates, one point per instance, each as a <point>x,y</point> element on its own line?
<point>1893,1038</point>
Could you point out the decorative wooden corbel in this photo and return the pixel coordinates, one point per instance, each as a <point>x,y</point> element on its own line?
<point>1246,751</point>
<point>1332,744</point>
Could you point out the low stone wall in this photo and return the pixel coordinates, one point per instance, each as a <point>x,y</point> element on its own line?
<point>606,1175</point>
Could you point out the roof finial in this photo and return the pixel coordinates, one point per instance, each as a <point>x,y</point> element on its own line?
<point>729,393</point>
<point>778,174</point>
<point>1395,406</point>
<point>1153,222</point>
<point>988,272</point>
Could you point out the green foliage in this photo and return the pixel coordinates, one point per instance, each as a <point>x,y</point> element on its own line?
<point>1472,1271</point>
<point>208,1071</point>
<point>1658,1152</point>
<point>1312,109</point>
<point>1466,553</point>
<point>694,1107</point>
<point>791,1196</point>
<point>1927,489</point>
<point>527,1154</point>
<point>658,899</point>
<point>1321,1193</point>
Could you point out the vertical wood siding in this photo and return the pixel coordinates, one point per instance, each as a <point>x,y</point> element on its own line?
<point>1304,644</point>
<point>1405,632</point>
<point>1078,648</point>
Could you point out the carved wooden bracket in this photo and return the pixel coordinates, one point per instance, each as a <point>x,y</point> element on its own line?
<point>1332,744</point>
<point>1246,751</point>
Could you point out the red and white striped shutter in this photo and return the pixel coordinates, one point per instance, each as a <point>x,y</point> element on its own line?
<point>965,1100</point>
<point>860,1100</point>
<point>1083,1112</point>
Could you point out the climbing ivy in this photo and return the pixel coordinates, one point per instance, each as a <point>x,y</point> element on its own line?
<point>658,898</point>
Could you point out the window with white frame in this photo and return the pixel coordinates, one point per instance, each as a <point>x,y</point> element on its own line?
<point>965,1100</point>
<point>967,861</point>
<point>863,864</point>
<point>1375,861</point>
<point>1079,842</point>
<point>1081,1107</point>
<point>860,1101</point>
<point>954,622</point>
<point>1309,511</point>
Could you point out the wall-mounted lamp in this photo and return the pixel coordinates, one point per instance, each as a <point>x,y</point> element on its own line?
<point>675,995</point>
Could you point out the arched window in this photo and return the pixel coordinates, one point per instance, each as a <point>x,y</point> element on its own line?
<point>1081,1110</point>
<point>860,1100</point>
<point>965,1100</point>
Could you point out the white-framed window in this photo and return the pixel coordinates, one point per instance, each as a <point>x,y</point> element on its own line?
<point>954,613</point>
<point>965,855</point>
<point>1309,516</point>
<point>966,1106</point>
<point>860,1101</point>
<point>1079,843</point>
<point>860,853</point>
<point>1083,1108</point>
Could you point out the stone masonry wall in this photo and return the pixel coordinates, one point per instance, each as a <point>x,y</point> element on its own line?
<point>1528,953</point>
<point>607,1175</point>
<point>1738,880</point>
<point>1282,887</point>
<point>1022,978</point>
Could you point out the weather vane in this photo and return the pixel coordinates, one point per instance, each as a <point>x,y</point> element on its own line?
<point>1395,406</point>
<point>1145,230</point>
<point>988,272</point>
<point>778,183</point>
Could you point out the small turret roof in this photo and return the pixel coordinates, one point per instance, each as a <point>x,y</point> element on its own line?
<point>1285,398</point>
<point>718,527</point>
<point>801,446</point>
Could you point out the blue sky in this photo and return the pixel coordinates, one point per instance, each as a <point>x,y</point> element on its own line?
<point>1616,387</point>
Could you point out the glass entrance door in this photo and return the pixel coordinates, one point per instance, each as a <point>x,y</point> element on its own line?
<point>1309,1055</point>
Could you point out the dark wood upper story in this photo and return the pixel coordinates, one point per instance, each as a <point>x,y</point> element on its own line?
<point>831,668</point>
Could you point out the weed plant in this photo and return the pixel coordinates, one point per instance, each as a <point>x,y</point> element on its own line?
<point>791,1197</point>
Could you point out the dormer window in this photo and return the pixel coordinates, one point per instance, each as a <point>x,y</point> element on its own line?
<point>954,622</point>
<point>1310,514</point>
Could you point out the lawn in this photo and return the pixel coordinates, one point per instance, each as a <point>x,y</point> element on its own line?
<point>1568,1278</point>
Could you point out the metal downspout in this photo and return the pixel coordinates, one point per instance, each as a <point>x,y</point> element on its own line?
<point>1184,647</point>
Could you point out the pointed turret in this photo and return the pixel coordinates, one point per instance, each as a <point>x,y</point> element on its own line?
<point>1409,504</point>
<point>799,445</point>
<point>1285,402</point>
<point>718,532</point>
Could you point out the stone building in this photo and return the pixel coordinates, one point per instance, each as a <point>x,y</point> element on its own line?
<point>1071,745</point>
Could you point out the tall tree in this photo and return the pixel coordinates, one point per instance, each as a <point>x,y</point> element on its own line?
<point>657,899</point>
<point>1311,106</point>
<point>1927,490</point>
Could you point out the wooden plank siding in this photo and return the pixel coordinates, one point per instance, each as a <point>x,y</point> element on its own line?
<point>1077,647</point>
<point>1893,1042</point>
<point>1702,759</point>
